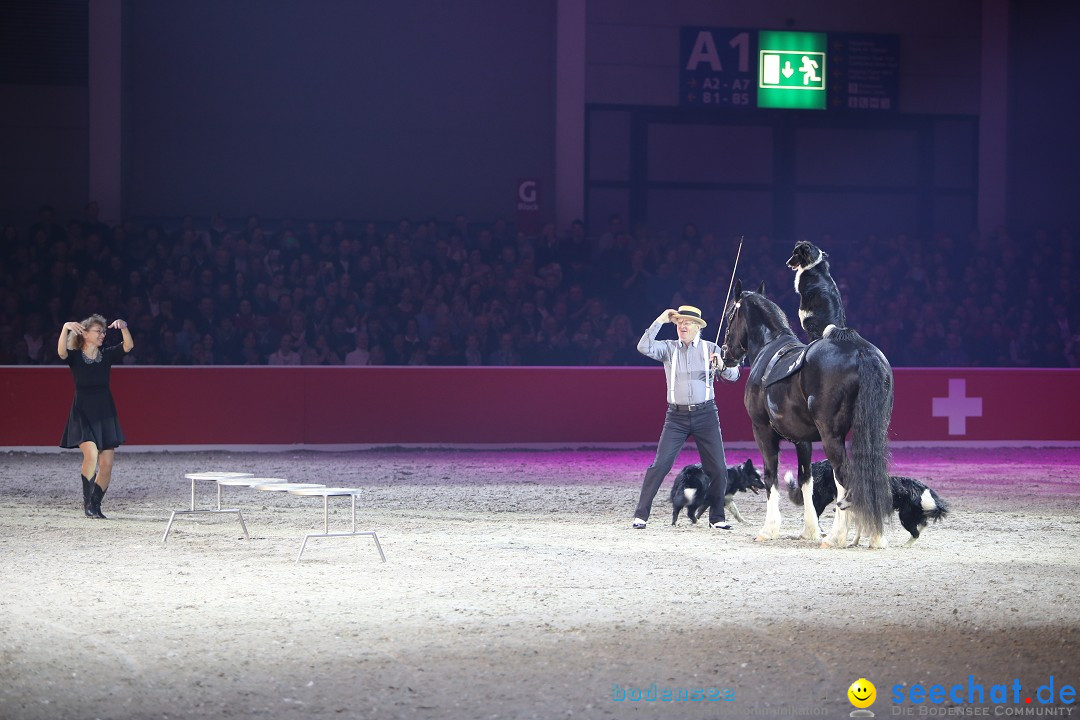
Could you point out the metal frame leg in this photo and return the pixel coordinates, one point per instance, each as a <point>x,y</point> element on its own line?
<point>327,534</point>
<point>169,526</point>
<point>193,511</point>
<point>239,515</point>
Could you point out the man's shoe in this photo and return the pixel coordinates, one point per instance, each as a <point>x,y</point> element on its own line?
<point>639,524</point>
<point>720,525</point>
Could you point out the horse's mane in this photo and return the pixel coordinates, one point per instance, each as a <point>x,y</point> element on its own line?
<point>774,316</point>
<point>845,333</point>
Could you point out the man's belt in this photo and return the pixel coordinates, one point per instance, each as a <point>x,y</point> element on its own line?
<point>691,408</point>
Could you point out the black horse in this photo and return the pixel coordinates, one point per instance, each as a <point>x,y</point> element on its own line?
<point>820,391</point>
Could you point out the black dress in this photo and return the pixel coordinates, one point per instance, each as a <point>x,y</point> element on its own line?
<point>93,413</point>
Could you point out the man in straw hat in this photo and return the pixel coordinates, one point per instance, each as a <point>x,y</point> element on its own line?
<point>691,401</point>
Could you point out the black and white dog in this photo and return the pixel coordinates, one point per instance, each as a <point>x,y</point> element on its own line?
<point>916,503</point>
<point>819,299</point>
<point>691,490</point>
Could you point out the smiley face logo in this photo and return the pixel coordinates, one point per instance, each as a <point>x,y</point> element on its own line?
<point>862,693</point>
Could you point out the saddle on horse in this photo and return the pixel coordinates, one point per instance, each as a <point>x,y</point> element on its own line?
<point>785,362</point>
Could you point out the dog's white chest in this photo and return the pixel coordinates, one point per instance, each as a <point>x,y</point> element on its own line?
<point>799,272</point>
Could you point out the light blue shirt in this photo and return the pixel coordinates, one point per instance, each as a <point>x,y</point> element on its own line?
<point>689,378</point>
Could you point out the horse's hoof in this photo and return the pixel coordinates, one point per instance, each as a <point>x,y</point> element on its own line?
<point>816,537</point>
<point>827,545</point>
<point>762,538</point>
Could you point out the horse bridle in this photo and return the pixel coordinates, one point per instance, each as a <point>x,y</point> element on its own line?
<point>725,353</point>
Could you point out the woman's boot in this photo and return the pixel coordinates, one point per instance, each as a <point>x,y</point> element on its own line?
<point>96,493</point>
<point>87,488</point>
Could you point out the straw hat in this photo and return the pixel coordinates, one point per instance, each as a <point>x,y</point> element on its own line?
<point>689,312</point>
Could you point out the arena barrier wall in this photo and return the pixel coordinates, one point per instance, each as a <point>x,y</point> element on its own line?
<point>499,406</point>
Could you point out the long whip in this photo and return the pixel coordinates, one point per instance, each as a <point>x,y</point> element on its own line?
<point>723,310</point>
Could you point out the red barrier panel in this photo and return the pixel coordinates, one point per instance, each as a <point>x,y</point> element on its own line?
<point>478,406</point>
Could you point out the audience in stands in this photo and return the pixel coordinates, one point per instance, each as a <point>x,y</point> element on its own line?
<point>462,293</point>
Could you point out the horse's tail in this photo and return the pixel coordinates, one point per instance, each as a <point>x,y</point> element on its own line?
<point>866,472</point>
<point>794,492</point>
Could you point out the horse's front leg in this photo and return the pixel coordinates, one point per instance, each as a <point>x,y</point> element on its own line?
<point>811,528</point>
<point>768,443</point>
<point>837,454</point>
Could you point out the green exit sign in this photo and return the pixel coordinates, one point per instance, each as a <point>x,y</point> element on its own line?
<point>791,70</point>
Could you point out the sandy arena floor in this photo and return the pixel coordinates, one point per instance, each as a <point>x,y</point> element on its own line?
<point>515,588</point>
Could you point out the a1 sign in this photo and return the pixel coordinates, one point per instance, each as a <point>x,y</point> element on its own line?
<point>716,67</point>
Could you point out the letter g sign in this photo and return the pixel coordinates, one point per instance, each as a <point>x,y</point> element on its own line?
<point>527,191</point>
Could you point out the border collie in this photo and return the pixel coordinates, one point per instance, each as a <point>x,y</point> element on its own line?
<point>691,490</point>
<point>916,503</point>
<point>819,299</point>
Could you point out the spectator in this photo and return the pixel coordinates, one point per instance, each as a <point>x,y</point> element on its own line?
<point>1023,348</point>
<point>505,353</point>
<point>953,354</point>
<point>34,340</point>
<point>359,355</point>
<point>473,352</point>
<point>284,355</point>
<point>46,230</point>
<point>378,356</point>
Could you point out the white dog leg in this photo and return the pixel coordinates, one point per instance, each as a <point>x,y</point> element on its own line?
<point>771,529</point>
<point>838,534</point>
<point>811,527</point>
<point>731,510</point>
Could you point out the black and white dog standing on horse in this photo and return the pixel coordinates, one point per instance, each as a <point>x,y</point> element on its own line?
<point>819,299</point>
<point>838,385</point>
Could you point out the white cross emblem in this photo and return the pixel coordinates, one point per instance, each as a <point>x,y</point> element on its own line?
<point>957,406</point>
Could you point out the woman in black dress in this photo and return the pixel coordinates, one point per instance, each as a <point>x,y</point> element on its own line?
<point>93,425</point>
